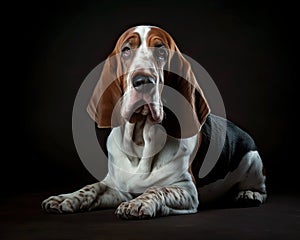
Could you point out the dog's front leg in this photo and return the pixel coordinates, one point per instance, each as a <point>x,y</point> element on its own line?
<point>160,201</point>
<point>90,197</point>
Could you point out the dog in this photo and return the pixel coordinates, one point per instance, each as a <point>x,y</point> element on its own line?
<point>153,158</point>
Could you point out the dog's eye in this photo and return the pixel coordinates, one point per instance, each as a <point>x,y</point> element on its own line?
<point>126,52</point>
<point>161,53</point>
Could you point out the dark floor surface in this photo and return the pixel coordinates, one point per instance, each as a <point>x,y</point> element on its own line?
<point>22,218</point>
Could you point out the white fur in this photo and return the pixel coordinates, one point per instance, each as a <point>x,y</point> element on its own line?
<point>143,57</point>
<point>161,162</point>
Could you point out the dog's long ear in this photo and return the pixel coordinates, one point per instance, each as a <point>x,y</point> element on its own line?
<point>180,77</point>
<point>106,94</point>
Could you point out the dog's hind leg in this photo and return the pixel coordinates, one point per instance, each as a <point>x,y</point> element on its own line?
<point>251,187</point>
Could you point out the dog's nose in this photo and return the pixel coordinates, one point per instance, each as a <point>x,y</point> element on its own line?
<point>143,82</point>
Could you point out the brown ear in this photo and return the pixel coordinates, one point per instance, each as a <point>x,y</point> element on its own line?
<point>181,78</point>
<point>106,94</point>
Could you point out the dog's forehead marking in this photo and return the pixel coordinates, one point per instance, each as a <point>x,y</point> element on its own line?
<point>143,32</point>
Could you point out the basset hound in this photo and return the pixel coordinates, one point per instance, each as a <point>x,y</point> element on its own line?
<point>154,153</point>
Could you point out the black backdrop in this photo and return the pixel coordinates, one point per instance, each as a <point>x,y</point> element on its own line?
<point>247,47</point>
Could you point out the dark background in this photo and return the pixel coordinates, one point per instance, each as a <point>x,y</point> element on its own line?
<point>248,47</point>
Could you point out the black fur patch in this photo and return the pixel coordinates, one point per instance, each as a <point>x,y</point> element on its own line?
<point>237,144</point>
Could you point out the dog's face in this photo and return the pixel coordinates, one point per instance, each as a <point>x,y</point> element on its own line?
<point>144,52</point>
<point>145,59</point>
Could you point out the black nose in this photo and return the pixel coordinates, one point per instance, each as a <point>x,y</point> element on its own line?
<point>139,82</point>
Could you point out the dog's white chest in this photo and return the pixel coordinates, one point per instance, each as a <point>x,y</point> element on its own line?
<point>135,169</point>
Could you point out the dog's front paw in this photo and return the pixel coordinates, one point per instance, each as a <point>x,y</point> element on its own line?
<point>60,204</point>
<point>249,199</point>
<point>136,209</point>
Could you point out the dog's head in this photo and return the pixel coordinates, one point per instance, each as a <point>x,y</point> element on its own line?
<point>131,86</point>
